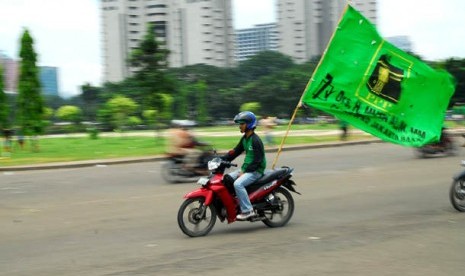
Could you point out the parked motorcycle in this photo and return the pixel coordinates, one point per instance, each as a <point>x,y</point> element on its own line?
<point>270,197</point>
<point>445,147</point>
<point>457,190</point>
<point>174,170</point>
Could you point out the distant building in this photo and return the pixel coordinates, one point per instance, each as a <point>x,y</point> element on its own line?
<point>48,76</point>
<point>49,80</point>
<point>194,31</point>
<point>10,73</point>
<point>306,26</point>
<point>250,41</point>
<point>402,42</point>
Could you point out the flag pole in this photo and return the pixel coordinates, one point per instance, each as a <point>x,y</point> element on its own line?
<point>299,104</point>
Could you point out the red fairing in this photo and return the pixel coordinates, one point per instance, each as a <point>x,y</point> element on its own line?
<point>202,192</point>
<point>216,180</point>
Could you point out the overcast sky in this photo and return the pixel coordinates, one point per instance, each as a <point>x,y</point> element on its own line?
<point>67,32</point>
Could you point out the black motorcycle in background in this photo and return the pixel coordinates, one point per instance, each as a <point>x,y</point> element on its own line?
<point>174,170</point>
<point>445,147</point>
<point>457,190</point>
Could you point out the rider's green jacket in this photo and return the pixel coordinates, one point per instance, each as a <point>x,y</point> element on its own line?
<point>255,159</point>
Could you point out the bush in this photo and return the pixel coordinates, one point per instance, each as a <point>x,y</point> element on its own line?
<point>93,133</point>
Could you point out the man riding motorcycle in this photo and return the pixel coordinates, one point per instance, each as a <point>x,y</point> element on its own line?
<point>254,162</point>
<point>182,143</point>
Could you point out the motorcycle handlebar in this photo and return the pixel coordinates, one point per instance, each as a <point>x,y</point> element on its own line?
<point>228,163</point>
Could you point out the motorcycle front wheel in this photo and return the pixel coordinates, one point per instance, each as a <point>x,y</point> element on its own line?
<point>169,171</point>
<point>452,149</point>
<point>281,210</point>
<point>419,153</point>
<point>196,219</point>
<point>457,194</point>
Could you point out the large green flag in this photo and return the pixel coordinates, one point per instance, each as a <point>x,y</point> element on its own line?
<point>376,87</point>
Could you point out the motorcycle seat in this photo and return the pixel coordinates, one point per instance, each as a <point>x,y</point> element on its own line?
<point>272,175</point>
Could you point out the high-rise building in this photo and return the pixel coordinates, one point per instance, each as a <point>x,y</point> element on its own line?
<point>49,80</point>
<point>306,26</point>
<point>10,73</point>
<point>48,76</point>
<point>250,41</point>
<point>194,31</point>
<point>200,31</point>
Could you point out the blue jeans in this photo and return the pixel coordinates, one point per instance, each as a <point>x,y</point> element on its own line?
<point>239,185</point>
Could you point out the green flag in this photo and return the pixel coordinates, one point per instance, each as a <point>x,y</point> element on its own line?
<point>366,81</point>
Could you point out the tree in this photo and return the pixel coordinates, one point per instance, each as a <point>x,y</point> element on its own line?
<point>150,115</point>
<point>166,112</point>
<point>69,113</point>
<point>3,104</point>
<point>149,60</point>
<point>181,104</point>
<point>90,97</point>
<point>202,112</point>
<point>120,108</point>
<point>456,67</point>
<point>30,101</point>
<point>263,64</point>
<point>253,107</point>
<point>279,93</point>
<point>220,91</point>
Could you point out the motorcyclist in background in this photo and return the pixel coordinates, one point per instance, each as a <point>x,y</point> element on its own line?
<point>183,143</point>
<point>444,140</point>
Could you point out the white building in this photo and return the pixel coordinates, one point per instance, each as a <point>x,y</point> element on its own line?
<point>250,41</point>
<point>306,26</point>
<point>194,31</point>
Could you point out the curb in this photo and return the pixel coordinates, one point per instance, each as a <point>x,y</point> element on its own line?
<point>106,162</point>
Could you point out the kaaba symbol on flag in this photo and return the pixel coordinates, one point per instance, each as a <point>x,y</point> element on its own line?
<point>385,80</point>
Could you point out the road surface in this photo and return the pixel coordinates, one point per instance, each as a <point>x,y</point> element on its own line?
<point>364,210</point>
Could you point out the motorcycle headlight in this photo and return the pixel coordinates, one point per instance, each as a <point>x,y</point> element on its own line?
<point>203,181</point>
<point>214,164</point>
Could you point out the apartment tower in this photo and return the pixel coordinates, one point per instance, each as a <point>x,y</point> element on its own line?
<point>194,31</point>
<point>306,26</point>
<point>251,41</point>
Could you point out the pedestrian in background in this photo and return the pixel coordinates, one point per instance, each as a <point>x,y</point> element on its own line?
<point>343,125</point>
<point>268,124</point>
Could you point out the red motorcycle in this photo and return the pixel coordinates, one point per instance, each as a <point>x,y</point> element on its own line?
<point>270,197</point>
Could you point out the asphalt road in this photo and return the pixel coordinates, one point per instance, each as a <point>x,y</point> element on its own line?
<point>364,210</point>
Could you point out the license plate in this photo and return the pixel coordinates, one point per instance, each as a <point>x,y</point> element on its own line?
<point>203,181</point>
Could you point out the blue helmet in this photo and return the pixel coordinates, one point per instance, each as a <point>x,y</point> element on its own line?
<point>246,117</point>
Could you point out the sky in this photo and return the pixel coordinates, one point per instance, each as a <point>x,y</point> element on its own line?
<point>67,33</point>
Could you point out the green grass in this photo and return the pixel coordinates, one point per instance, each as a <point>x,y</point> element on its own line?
<point>76,149</point>
<point>73,149</point>
<point>278,128</point>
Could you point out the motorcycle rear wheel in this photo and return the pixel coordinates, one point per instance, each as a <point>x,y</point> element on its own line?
<point>457,194</point>
<point>195,219</point>
<point>284,203</point>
